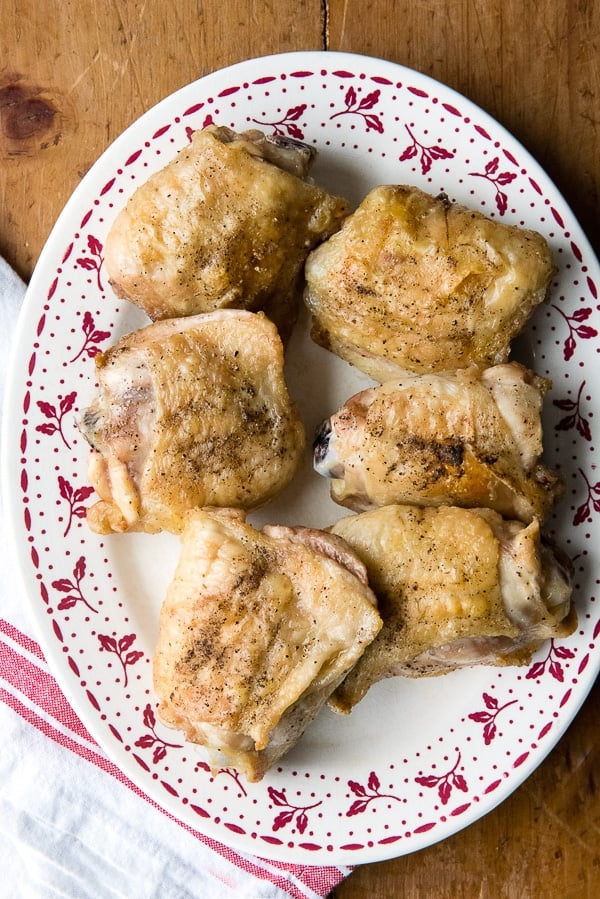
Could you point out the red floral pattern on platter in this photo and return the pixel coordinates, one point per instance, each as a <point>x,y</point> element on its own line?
<point>426,154</point>
<point>189,131</point>
<point>488,716</point>
<point>290,813</point>
<point>356,105</point>
<point>288,123</point>
<point>576,328</point>
<point>228,772</point>
<point>120,648</point>
<point>73,588</point>
<point>497,179</point>
<point>75,498</point>
<point>367,794</point>
<point>93,262</point>
<point>551,661</point>
<point>591,501</point>
<point>92,337</point>
<point>151,740</point>
<point>575,419</point>
<point>55,414</point>
<point>331,807</point>
<point>446,782</point>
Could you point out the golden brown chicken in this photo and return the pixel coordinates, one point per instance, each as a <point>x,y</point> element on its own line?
<point>466,438</point>
<point>256,631</point>
<point>228,223</point>
<point>455,587</point>
<point>190,412</point>
<point>417,283</point>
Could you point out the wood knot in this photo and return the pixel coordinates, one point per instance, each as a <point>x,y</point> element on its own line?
<point>29,119</point>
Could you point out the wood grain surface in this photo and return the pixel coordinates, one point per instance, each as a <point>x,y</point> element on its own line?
<point>73,75</point>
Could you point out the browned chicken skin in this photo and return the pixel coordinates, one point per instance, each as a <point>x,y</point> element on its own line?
<point>190,412</point>
<point>455,587</point>
<point>416,283</point>
<point>256,631</point>
<point>228,223</point>
<point>467,438</point>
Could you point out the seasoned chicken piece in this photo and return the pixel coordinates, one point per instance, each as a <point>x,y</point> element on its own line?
<point>455,587</point>
<point>465,438</point>
<point>417,283</point>
<point>256,631</point>
<point>228,223</point>
<point>190,412</point>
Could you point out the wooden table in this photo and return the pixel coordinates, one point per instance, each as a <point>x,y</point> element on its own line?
<point>75,73</point>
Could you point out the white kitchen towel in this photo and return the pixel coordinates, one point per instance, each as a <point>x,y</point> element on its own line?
<point>71,824</point>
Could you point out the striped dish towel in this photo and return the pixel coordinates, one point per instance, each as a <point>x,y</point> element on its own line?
<point>71,824</point>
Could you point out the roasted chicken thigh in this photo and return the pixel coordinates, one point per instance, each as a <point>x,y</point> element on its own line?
<point>466,438</point>
<point>227,223</point>
<point>256,631</point>
<point>455,587</point>
<point>190,412</point>
<point>413,282</point>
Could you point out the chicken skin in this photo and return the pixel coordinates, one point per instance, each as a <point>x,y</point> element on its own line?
<point>467,438</point>
<point>416,283</point>
<point>455,587</point>
<point>257,630</point>
<point>190,412</point>
<point>228,223</point>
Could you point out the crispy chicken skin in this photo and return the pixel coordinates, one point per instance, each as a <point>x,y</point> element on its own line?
<point>455,587</point>
<point>227,223</point>
<point>190,412</point>
<point>256,631</point>
<point>468,438</point>
<point>416,283</point>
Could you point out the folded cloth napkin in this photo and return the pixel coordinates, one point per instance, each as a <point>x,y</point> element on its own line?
<point>71,824</point>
